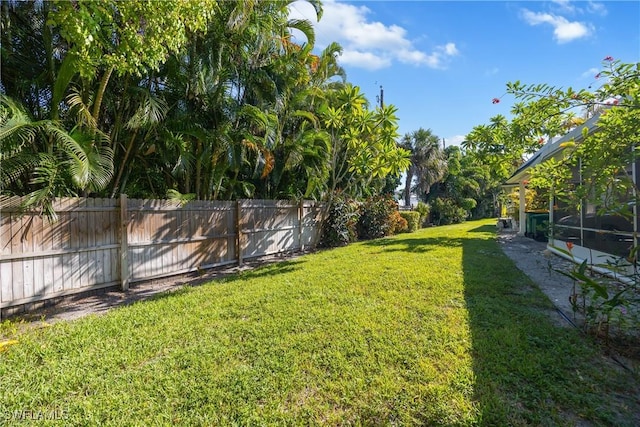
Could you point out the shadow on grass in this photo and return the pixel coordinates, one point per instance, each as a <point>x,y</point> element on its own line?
<point>529,371</point>
<point>271,270</point>
<point>483,229</point>
<point>80,305</point>
<point>254,270</point>
<point>413,244</point>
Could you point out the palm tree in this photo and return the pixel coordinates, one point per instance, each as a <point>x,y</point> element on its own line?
<point>301,146</point>
<point>428,162</point>
<point>233,112</point>
<point>77,161</point>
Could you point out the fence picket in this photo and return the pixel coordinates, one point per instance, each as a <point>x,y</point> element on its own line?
<point>16,247</point>
<point>104,242</point>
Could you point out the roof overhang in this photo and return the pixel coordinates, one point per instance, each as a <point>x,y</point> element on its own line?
<point>551,149</point>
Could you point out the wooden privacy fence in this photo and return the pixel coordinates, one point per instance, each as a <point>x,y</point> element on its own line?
<point>99,243</point>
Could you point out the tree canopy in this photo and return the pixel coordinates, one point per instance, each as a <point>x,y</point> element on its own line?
<point>543,112</point>
<point>428,163</point>
<point>601,156</point>
<point>206,100</point>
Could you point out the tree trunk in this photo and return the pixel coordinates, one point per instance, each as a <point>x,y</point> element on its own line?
<point>198,170</point>
<point>407,187</point>
<point>100,94</point>
<point>123,164</point>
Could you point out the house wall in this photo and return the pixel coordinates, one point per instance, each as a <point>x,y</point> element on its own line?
<point>601,261</point>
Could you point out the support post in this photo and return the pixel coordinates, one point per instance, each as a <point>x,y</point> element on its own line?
<point>238,233</point>
<point>522,228</point>
<point>634,176</point>
<point>552,219</point>
<point>124,243</point>
<point>300,224</point>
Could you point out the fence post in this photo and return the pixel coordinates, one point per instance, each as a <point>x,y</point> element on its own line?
<point>124,244</point>
<point>300,223</point>
<point>323,209</point>
<point>238,233</point>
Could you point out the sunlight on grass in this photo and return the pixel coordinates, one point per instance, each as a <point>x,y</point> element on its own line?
<point>435,327</point>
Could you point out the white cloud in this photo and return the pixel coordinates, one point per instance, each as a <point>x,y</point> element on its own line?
<point>574,8</point>
<point>567,31</point>
<point>563,30</point>
<point>374,35</point>
<point>414,57</point>
<point>590,73</point>
<point>366,60</point>
<point>596,8</point>
<point>450,49</point>
<point>436,59</point>
<point>491,72</point>
<point>454,140</point>
<point>565,5</point>
<point>368,44</point>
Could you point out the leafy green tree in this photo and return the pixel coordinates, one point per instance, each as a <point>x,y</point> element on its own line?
<point>66,45</point>
<point>128,38</point>
<point>503,145</point>
<point>428,163</point>
<point>603,155</point>
<point>463,189</point>
<point>363,143</point>
<point>207,100</point>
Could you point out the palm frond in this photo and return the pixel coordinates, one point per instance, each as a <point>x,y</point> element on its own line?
<point>46,176</point>
<point>305,27</point>
<point>151,111</point>
<point>307,115</point>
<point>90,163</point>
<point>262,120</point>
<point>16,127</point>
<point>177,196</point>
<point>67,70</point>
<point>176,147</point>
<point>83,112</point>
<point>16,166</point>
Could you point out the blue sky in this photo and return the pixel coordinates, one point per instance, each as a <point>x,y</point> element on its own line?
<point>442,62</point>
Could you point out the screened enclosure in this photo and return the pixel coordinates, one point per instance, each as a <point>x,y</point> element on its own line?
<point>601,230</point>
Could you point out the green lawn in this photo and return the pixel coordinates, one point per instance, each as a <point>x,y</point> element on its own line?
<point>436,327</point>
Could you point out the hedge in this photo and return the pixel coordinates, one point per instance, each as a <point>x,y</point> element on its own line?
<point>413,220</point>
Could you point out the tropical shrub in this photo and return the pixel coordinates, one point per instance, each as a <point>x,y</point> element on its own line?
<point>399,223</point>
<point>446,211</point>
<point>607,304</point>
<point>424,210</point>
<point>375,217</point>
<point>339,228</point>
<point>412,219</point>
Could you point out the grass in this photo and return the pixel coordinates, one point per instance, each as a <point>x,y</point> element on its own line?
<point>435,327</point>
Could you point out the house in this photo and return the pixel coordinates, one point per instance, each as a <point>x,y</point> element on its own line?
<point>399,196</point>
<point>584,231</point>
